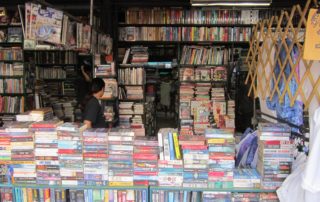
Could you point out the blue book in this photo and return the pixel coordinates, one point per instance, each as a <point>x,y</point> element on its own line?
<point>185,196</point>
<point>52,198</point>
<point>171,146</point>
<point>170,197</point>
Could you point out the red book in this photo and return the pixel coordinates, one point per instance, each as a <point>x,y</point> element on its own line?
<point>145,156</point>
<point>195,147</point>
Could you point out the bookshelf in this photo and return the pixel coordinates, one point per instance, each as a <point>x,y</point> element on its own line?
<point>132,97</point>
<point>55,75</point>
<point>13,93</point>
<point>107,71</point>
<point>205,40</point>
<point>17,192</point>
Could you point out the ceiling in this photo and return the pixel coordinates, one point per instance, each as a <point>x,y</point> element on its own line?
<point>80,5</point>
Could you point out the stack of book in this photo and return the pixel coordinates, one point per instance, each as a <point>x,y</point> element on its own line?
<point>105,70</point>
<point>6,194</point>
<point>130,108</point>
<point>5,146</point>
<point>140,55</point>
<point>221,144</point>
<point>46,151</point>
<point>186,95</point>
<point>134,92</point>
<point>195,166</point>
<point>275,154</point>
<point>246,178</point>
<point>208,196</point>
<point>70,153</point>
<point>202,91</point>
<point>111,89</point>
<point>170,164</point>
<point>219,106</point>
<point>145,161</point>
<point>201,111</point>
<point>170,173</point>
<point>95,156</point>
<point>240,197</point>
<point>22,153</point>
<point>230,121</point>
<point>120,157</point>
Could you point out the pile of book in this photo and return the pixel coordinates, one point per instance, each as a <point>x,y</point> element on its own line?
<point>230,121</point>
<point>120,157</point>
<point>170,164</point>
<point>239,197</point>
<point>111,89</point>
<point>22,153</point>
<point>95,156</point>
<point>195,165</point>
<point>145,161</point>
<point>130,108</point>
<point>219,106</point>
<point>246,178</point>
<point>208,196</point>
<point>105,70</point>
<point>201,112</point>
<point>139,54</point>
<point>202,91</point>
<point>186,95</point>
<point>70,153</point>
<point>221,144</point>
<point>5,146</point>
<point>46,151</point>
<point>275,154</point>
<point>134,92</point>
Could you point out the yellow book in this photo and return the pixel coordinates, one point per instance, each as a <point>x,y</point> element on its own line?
<point>115,184</point>
<point>25,194</point>
<point>216,141</point>
<point>176,145</point>
<point>106,195</point>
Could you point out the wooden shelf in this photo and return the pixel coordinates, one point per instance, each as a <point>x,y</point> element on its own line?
<point>12,94</point>
<point>201,65</point>
<point>11,61</point>
<point>11,77</point>
<point>183,25</point>
<point>9,44</point>
<point>221,43</point>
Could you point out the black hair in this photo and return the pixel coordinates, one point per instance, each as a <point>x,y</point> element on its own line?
<point>97,85</point>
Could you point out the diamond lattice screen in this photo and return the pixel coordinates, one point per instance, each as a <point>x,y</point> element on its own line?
<point>276,66</point>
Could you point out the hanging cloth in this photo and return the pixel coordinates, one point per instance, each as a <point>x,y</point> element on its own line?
<point>284,111</point>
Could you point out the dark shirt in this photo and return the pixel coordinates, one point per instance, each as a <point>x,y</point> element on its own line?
<point>93,112</point>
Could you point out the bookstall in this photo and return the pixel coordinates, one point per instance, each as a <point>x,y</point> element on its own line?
<point>158,50</point>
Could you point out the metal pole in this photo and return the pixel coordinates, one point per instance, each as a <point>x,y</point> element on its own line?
<point>91,12</point>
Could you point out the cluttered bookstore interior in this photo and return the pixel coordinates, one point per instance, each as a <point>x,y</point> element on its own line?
<point>159,100</point>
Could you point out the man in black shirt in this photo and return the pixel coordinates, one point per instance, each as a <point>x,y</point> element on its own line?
<point>93,113</point>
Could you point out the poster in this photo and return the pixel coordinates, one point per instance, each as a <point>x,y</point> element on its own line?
<point>312,38</point>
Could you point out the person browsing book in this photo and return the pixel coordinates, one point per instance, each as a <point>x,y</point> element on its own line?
<point>93,113</point>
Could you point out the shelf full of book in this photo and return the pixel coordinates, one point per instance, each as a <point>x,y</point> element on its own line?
<point>105,68</point>
<point>12,80</point>
<point>73,193</point>
<point>54,75</point>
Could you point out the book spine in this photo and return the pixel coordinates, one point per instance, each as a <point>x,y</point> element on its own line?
<point>171,146</point>
<point>176,146</point>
